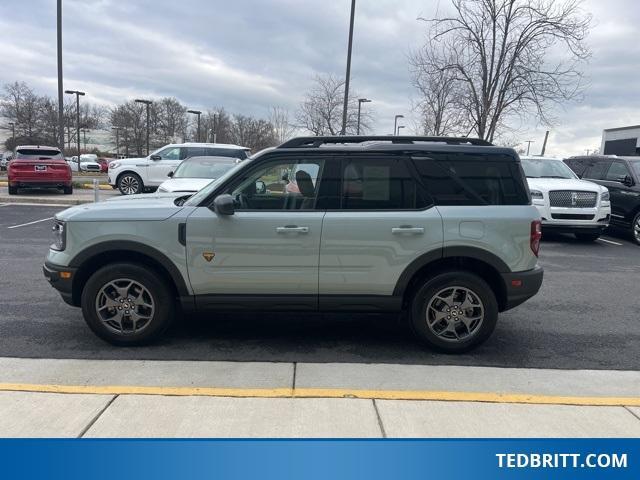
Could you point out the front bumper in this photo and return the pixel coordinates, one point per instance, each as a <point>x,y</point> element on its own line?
<point>53,273</point>
<point>521,286</point>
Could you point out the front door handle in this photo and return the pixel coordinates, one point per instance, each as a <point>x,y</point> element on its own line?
<point>292,229</point>
<point>407,229</point>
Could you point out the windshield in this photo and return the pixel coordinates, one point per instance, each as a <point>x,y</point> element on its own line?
<point>545,168</point>
<point>203,168</point>
<point>204,193</point>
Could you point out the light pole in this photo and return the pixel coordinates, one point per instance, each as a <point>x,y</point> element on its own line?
<point>84,136</point>
<point>197,113</point>
<point>147,103</point>
<point>395,124</point>
<point>529,142</point>
<point>360,102</point>
<point>215,128</point>
<point>78,94</point>
<point>117,130</point>
<point>60,87</point>
<point>13,133</point>
<point>398,130</point>
<point>348,75</point>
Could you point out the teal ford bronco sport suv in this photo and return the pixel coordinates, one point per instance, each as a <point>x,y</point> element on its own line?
<point>439,228</point>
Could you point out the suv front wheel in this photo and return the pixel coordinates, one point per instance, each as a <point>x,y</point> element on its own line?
<point>454,312</point>
<point>130,184</point>
<point>126,304</point>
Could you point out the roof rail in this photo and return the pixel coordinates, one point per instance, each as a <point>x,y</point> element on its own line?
<point>315,142</point>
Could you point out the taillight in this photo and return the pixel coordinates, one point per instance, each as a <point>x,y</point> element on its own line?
<point>536,235</point>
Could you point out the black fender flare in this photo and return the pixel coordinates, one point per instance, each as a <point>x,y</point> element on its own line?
<point>130,246</point>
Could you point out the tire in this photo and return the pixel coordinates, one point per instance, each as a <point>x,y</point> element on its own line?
<point>635,229</point>
<point>451,334</point>
<point>587,237</point>
<point>68,190</point>
<point>130,183</point>
<point>146,292</point>
<point>13,190</point>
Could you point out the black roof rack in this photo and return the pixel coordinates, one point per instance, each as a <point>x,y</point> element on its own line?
<point>315,142</point>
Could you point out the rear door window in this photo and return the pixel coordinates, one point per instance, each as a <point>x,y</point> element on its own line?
<point>597,170</point>
<point>382,182</point>
<point>463,179</point>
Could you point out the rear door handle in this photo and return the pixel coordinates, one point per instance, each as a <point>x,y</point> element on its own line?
<point>292,229</point>
<point>407,230</point>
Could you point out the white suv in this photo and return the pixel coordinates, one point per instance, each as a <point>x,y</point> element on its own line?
<point>566,203</point>
<point>135,175</point>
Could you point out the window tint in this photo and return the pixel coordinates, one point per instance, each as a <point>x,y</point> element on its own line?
<point>596,171</point>
<point>616,171</point>
<point>194,152</point>
<point>225,152</point>
<point>460,179</point>
<point>283,185</point>
<point>37,154</point>
<point>382,183</point>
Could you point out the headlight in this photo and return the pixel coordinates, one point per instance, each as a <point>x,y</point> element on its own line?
<point>536,195</point>
<point>59,236</point>
<point>604,197</point>
<point>114,165</point>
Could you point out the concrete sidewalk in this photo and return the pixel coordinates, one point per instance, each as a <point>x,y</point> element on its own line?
<point>25,414</point>
<point>95,398</point>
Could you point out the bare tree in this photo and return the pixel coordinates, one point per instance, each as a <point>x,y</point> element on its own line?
<point>282,126</point>
<point>20,105</point>
<point>510,58</point>
<point>321,110</point>
<point>253,133</point>
<point>170,120</point>
<point>438,104</point>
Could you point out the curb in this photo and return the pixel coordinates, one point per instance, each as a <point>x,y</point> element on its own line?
<point>288,392</point>
<point>82,186</point>
<point>46,201</point>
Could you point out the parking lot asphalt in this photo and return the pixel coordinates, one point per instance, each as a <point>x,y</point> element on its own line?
<point>585,317</point>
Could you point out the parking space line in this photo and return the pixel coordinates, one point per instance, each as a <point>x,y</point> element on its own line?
<point>611,242</point>
<point>288,392</point>
<point>30,223</point>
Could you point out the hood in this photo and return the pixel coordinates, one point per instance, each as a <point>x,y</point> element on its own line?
<point>130,209</point>
<point>130,161</point>
<point>548,184</point>
<point>147,196</point>
<point>185,184</point>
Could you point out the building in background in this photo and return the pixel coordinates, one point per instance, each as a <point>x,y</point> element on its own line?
<point>623,141</point>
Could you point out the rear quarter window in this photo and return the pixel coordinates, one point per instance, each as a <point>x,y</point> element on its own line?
<point>467,179</point>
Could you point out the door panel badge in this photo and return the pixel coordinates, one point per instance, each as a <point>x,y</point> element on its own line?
<point>208,256</point>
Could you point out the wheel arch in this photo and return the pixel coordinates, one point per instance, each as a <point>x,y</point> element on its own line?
<point>95,257</point>
<point>486,265</point>
<point>137,174</point>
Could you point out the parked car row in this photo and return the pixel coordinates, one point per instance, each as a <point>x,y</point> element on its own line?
<point>136,175</point>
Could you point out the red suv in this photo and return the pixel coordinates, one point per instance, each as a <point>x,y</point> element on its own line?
<point>39,167</point>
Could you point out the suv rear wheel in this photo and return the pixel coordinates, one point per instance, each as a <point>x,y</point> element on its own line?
<point>130,183</point>
<point>454,312</point>
<point>125,304</point>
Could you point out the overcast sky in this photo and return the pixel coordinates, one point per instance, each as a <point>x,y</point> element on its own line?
<point>250,55</point>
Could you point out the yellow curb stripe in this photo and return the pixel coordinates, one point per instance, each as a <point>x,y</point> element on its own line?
<point>324,393</point>
<point>100,187</point>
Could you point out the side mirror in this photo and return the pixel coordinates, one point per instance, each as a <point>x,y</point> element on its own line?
<point>223,205</point>
<point>628,181</point>
<point>155,157</point>
<point>261,187</point>
<point>170,174</point>
<point>285,177</point>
